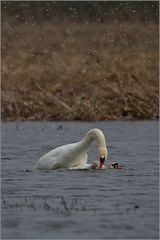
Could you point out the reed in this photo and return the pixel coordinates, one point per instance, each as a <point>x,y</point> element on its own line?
<point>67,71</point>
<point>63,207</point>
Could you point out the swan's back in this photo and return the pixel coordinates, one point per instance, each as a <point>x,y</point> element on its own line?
<point>62,157</point>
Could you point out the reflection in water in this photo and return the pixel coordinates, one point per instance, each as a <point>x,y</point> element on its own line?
<point>80,204</point>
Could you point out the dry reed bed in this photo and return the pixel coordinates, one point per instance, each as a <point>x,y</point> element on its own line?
<point>80,71</point>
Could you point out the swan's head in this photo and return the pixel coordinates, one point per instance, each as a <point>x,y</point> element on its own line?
<point>103,153</point>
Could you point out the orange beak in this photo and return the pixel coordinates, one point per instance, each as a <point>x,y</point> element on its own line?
<point>102,160</point>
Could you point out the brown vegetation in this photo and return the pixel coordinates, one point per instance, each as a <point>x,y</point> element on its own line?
<point>80,71</point>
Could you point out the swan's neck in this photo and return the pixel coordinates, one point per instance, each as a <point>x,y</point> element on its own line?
<point>94,134</point>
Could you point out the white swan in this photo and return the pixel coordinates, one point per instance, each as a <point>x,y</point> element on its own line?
<point>74,155</point>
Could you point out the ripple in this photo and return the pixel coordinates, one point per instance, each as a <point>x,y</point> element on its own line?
<point>86,204</point>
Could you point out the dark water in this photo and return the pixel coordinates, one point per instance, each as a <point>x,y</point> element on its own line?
<point>74,204</point>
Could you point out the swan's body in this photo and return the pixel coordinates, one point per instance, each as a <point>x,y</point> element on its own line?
<point>74,155</point>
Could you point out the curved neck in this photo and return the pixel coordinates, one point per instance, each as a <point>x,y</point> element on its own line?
<point>93,134</point>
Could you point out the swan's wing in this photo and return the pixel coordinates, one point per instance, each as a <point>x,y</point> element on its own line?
<point>45,163</point>
<point>83,163</point>
<point>82,159</point>
<point>48,160</point>
<point>65,156</point>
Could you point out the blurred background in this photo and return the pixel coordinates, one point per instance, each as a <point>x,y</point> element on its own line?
<point>79,60</point>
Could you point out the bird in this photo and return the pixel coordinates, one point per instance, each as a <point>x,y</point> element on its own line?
<point>74,155</point>
<point>114,165</point>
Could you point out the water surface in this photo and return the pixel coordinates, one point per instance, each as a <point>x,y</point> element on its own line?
<point>74,204</point>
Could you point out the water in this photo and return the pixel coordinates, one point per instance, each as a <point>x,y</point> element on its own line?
<point>74,204</point>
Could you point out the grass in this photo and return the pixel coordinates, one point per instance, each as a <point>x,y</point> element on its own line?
<point>64,207</point>
<point>82,71</point>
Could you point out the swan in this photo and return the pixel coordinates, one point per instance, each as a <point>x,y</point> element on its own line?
<point>74,155</point>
